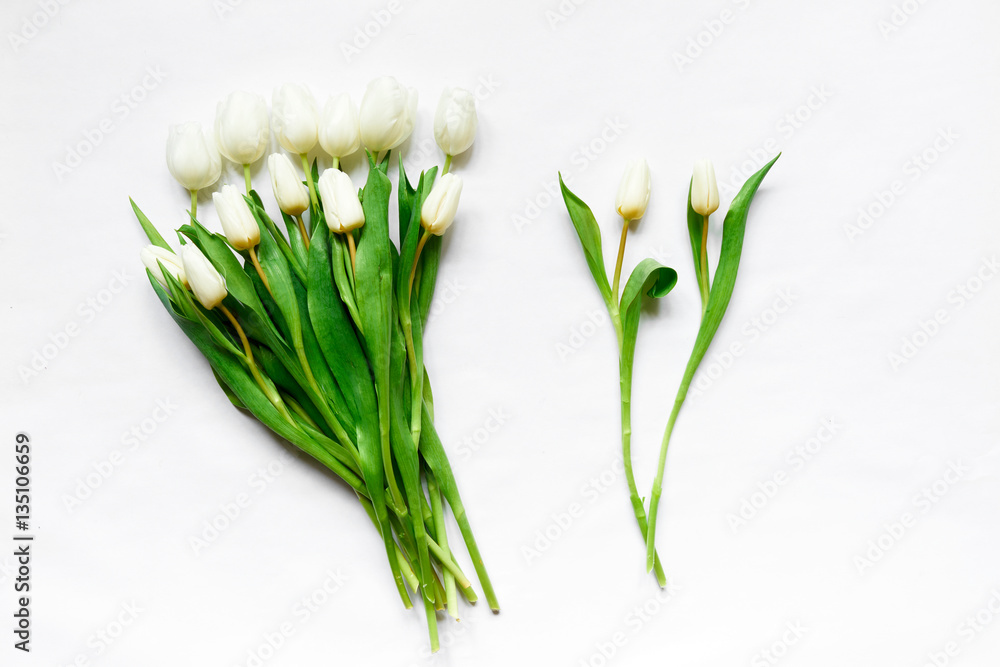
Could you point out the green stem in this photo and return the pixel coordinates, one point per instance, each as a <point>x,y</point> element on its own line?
<point>309,180</point>
<point>440,531</point>
<point>703,277</point>
<point>246,177</point>
<point>194,204</point>
<point>336,162</point>
<point>654,498</point>
<point>621,256</point>
<point>447,165</point>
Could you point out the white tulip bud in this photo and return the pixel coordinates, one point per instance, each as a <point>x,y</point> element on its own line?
<point>296,119</point>
<point>339,127</point>
<point>192,158</point>
<point>341,207</point>
<point>238,223</point>
<point>289,190</point>
<point>633,191</point>
<point>241,127</point>
<point>153,256</point>
<point>704,190</point>
<point>206,282</point>
<point>388,111</point>
<point>455,121</point>
<point>438,211</point>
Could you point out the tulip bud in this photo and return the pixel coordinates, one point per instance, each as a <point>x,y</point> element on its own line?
<point>296,119</point>
<point>241,127</point>
<point>153,256</point>
<point>704,190</point>
<point>455,121</point>
<point>291,193</point>
<point>387,114</point>
<point>341,206</point>
<point>192,158</point>
<point>206,282</point>
<point>633,191</point>
<point>339,129</point>
<point>438,211</point>
<point>238,223</point>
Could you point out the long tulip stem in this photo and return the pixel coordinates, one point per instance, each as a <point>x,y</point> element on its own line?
<point>416,256</point>
<point>309,180</point>
<point>447,165</point>
<point>246,177</point>
<point>260,270</point>
<point>194,203</point>
<point>271,394</point>
<point>302,230</point>
<point>621,257</point>
<point>352,250</point>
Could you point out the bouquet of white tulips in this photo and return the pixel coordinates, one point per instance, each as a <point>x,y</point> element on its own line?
<point>317,330</point>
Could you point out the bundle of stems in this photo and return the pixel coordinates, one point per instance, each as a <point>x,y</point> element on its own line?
<point>320,337</point>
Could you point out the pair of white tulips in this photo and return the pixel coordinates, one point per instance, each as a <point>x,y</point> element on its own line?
<point>633,191</point>
<point>386,119</point>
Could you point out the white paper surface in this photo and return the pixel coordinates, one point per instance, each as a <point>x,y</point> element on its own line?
<point>858,110</point>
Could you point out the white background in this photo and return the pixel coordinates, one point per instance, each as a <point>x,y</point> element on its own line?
<point>514,295</point>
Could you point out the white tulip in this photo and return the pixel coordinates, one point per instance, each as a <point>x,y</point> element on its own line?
<point>341,206</point>
<point>339,128</point>
<point>192,158</point>
<point>291,193</point>
<point>241,127</point>
<point>206,282</point>
<point>704,189</point>
<point>438,211</point>
<point>633,191</point>
<point>153,256</point>
<point>296,118</point>
<point>238,223</point>
<point>455,121</point>
<point>388,111</point>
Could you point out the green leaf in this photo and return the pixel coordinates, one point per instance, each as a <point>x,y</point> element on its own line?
<point>147,226</point>
<point>590,237</point>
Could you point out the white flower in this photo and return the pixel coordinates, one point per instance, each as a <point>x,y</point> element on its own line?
<point>341,206</point>
<point>192,158</point>
<point>438,211</point>
<point>206,282</point>
<point>289,190</point>
<point>704,190</point>
<point>238,223</point>
<point>633,191</point>
<point>152,256</point>
<point>339,128</point>
<point>241,127</point>
<point>388,111</point>
<point>296,119</point>
<point>455,121</point>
